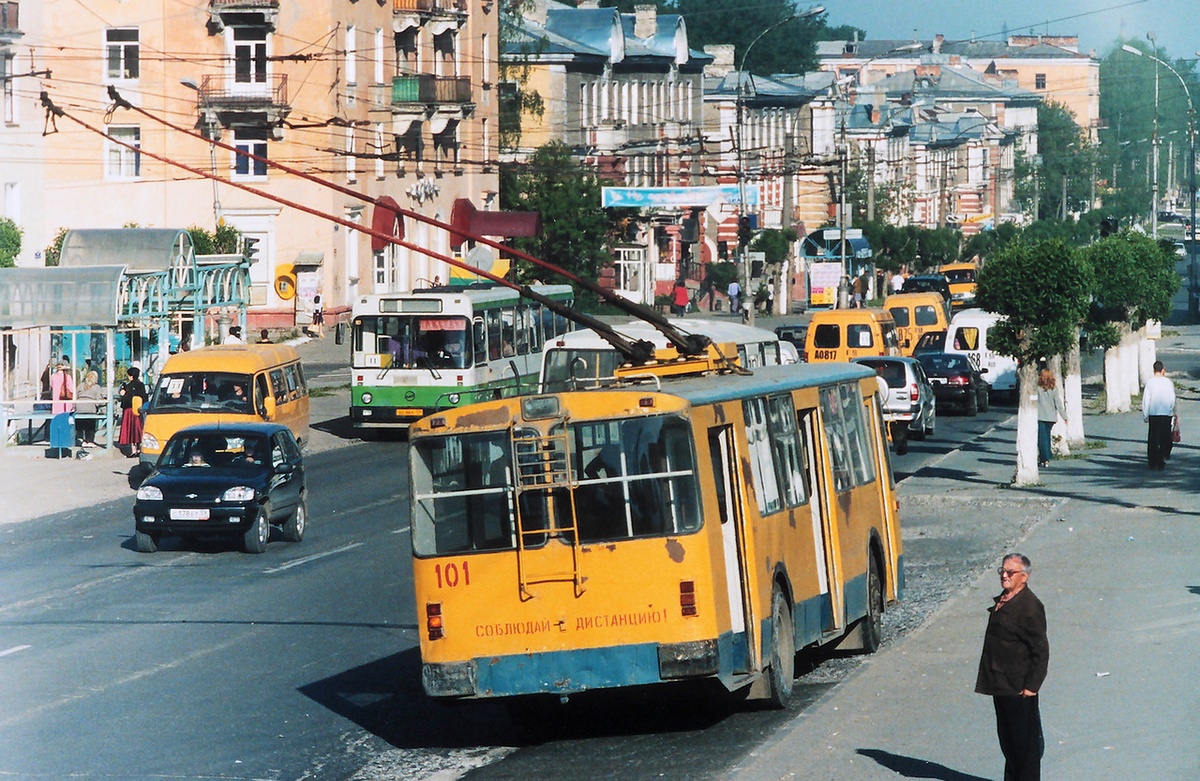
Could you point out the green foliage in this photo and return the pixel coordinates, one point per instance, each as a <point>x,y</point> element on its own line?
<point>225,241</point>
<point>775,244</point>
<point>1065,153</point>
<point>10,242</point>
<point>1135,279</point>
<point>720,274</point>
<point>53,253</point>
<point>791,48</point>
<point>1041,290</point>
<point>514,98</point>
<point>574,226</point>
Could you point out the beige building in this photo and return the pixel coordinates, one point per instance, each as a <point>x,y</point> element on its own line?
<point>389,98</point>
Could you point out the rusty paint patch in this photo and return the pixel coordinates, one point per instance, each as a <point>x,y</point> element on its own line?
<point>490,416</point>
<point>675,551</point>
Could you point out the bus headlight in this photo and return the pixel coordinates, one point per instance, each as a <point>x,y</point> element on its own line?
<point>367,398</point>
<point>149,441</point>
<point>453,398</point>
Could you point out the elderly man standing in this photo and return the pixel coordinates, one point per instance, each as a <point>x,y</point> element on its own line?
<point>1158,410</point>
<point>1012,667</point>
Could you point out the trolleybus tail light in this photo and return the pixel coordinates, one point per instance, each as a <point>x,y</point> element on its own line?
<point>438,422</point>
<point>687,597</point>
<point>433,620</point>
<point>646,401</point>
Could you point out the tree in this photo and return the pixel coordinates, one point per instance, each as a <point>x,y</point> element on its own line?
<point>1041,291</point>
<point>1066,155</point>
<point>54,251</point>
<point>518,50</point>
<point>225,241</point>
<point>574,225</point>
<point>10,242</point>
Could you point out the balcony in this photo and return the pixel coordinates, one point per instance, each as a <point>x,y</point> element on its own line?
<point>224,102</point>
<point>10,28</point>
<point>429,91</point>
<point>445,14</point>
<point>240,13</point>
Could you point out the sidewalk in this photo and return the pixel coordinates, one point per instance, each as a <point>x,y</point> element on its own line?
<point>1114,550</point>
<point>32,485</point>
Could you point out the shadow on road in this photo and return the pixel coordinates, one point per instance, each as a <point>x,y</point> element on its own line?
<point>911,767</point>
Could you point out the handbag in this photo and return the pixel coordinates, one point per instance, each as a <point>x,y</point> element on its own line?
<point>1176,436</point>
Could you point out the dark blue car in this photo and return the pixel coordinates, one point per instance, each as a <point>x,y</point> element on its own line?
<point>229,480</point>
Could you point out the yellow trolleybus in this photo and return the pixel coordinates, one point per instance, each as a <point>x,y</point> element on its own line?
<point>681,529</point>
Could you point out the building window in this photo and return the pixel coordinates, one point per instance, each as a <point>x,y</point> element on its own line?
<point>410,145</point>
<point>121,53</point>
<point>485,65</point>
<point>1039,81</point>
<point>6,83</point>
<point>121,161</point>
<point>254,142</point>
<point>379,55</point>
<point>351,160</point>
<point>351,55</point>
<point>406,52</point>
<point>380,141</point>
<point>250,55</point>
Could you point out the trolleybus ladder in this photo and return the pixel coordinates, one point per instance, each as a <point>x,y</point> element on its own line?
<point>543,465</point>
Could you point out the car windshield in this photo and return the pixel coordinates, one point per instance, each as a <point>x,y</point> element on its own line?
<point>891,371</point>
<point>215,450</point>
<point>944,364</point>
<point>202,392</point>
<point>962,275</point>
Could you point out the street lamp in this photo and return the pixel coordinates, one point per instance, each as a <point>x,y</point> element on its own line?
<point>741,146</point>
<point>1193,301</point>
<point>209,132</point>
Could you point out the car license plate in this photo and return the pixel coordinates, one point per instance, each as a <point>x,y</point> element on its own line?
<point>186,514</point>
<point>937,381</point>
<point>410,413</point>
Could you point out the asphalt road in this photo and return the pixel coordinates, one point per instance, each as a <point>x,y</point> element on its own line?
<point>203,662</point>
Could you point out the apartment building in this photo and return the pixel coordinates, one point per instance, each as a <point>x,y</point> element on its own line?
<point>391,99</point>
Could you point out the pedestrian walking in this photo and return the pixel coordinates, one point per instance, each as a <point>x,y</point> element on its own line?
<point>1049,408</point>
<point>234,336</point>
<point>859,288</point>
<point>318,316</point>
<point>680,298</point>
<point>734,292</point>
<point>1158,410</point>
<point>1012,667</point>
<point>897,282</point>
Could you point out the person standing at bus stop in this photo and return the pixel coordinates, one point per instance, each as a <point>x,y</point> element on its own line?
<point>680,298</point>
<point>1012,667</point>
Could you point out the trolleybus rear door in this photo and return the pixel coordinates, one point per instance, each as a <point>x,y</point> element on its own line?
<point>733,540</point>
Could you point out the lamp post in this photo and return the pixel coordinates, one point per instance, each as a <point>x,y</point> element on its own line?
<point>210,133</point>
<point>1193,300</point>
<point>741,146</point>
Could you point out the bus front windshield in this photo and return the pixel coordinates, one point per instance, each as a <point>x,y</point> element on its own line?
<point>202,392</point>
<point>414,341</point>
<point>631,478</point>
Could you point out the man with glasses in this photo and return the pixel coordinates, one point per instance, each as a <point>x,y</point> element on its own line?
<point>1012,668</point>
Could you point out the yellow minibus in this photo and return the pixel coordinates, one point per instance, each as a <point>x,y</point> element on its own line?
<point>231,382</point>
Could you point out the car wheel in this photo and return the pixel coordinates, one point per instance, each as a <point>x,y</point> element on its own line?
<point>255,538</point>
<point>986,402</point>
<point>782,673</point>
<point>973,405</point>
<point>931,422</point>
<point>293,528</point>
<point>146,543</point>
<point>872,628</point>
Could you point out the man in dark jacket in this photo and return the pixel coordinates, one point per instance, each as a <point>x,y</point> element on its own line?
<point>1016,654</point>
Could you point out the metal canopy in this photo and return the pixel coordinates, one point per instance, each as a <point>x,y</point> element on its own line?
<point>141,249</point>
<point>59,296</point>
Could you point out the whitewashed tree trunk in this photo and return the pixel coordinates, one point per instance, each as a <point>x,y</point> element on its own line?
<point>1058,437</point>
<point>1027,426</point>
<point>1129,363</point>
<point>1073,393</point>
<point>1147,355</point>
<point>1116,388</point>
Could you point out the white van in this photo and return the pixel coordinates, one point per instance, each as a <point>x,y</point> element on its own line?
<point>969,334</point>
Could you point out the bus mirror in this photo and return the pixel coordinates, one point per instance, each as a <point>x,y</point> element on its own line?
<point>339,333</point>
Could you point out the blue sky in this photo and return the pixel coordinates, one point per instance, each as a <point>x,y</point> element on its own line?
<point>1098,23</point>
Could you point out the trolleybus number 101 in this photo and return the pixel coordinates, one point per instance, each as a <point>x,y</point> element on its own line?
<point>449,575</point>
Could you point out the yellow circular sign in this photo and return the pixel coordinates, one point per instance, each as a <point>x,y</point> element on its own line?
<point>285,286</point>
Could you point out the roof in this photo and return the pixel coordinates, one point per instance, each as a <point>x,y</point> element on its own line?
<point>225,427</point>
<point>764,380</point>
<point>140,249</point>
<point>976,49</point>
<point>61,297</point>
<point>231,358</point>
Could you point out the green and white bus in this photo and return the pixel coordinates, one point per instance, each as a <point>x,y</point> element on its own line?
<point>419,352</point>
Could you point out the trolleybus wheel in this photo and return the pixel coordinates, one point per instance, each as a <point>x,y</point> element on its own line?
<point>872,629</point>
<point>782,673</point>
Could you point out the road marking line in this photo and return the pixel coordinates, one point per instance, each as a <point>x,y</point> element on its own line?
<point>314,557</point>
<point>14,649</point>
<point>401,531</point>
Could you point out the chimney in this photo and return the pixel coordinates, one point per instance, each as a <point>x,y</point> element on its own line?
<point>722,64</point>
<point>937,43</point>
<point>645,21</point>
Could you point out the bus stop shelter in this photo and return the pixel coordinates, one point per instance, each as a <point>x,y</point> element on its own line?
<point>118,298</point>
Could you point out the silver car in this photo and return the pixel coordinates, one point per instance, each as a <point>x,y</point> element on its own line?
<point>910,407</point>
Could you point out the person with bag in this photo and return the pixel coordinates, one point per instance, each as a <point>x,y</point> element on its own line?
<point>133,396</point>
<point>1158,410</point>
<point>1050,408</point>
<point>90,401</point>
<point>62,389</point>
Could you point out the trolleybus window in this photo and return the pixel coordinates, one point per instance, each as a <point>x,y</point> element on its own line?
<point>775,455</point>
<point>846,427</point>
<point>461,484</point>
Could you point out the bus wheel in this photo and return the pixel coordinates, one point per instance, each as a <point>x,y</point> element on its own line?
<point>255,538</point>
<point>782,673</point>
<point>872,628</point>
